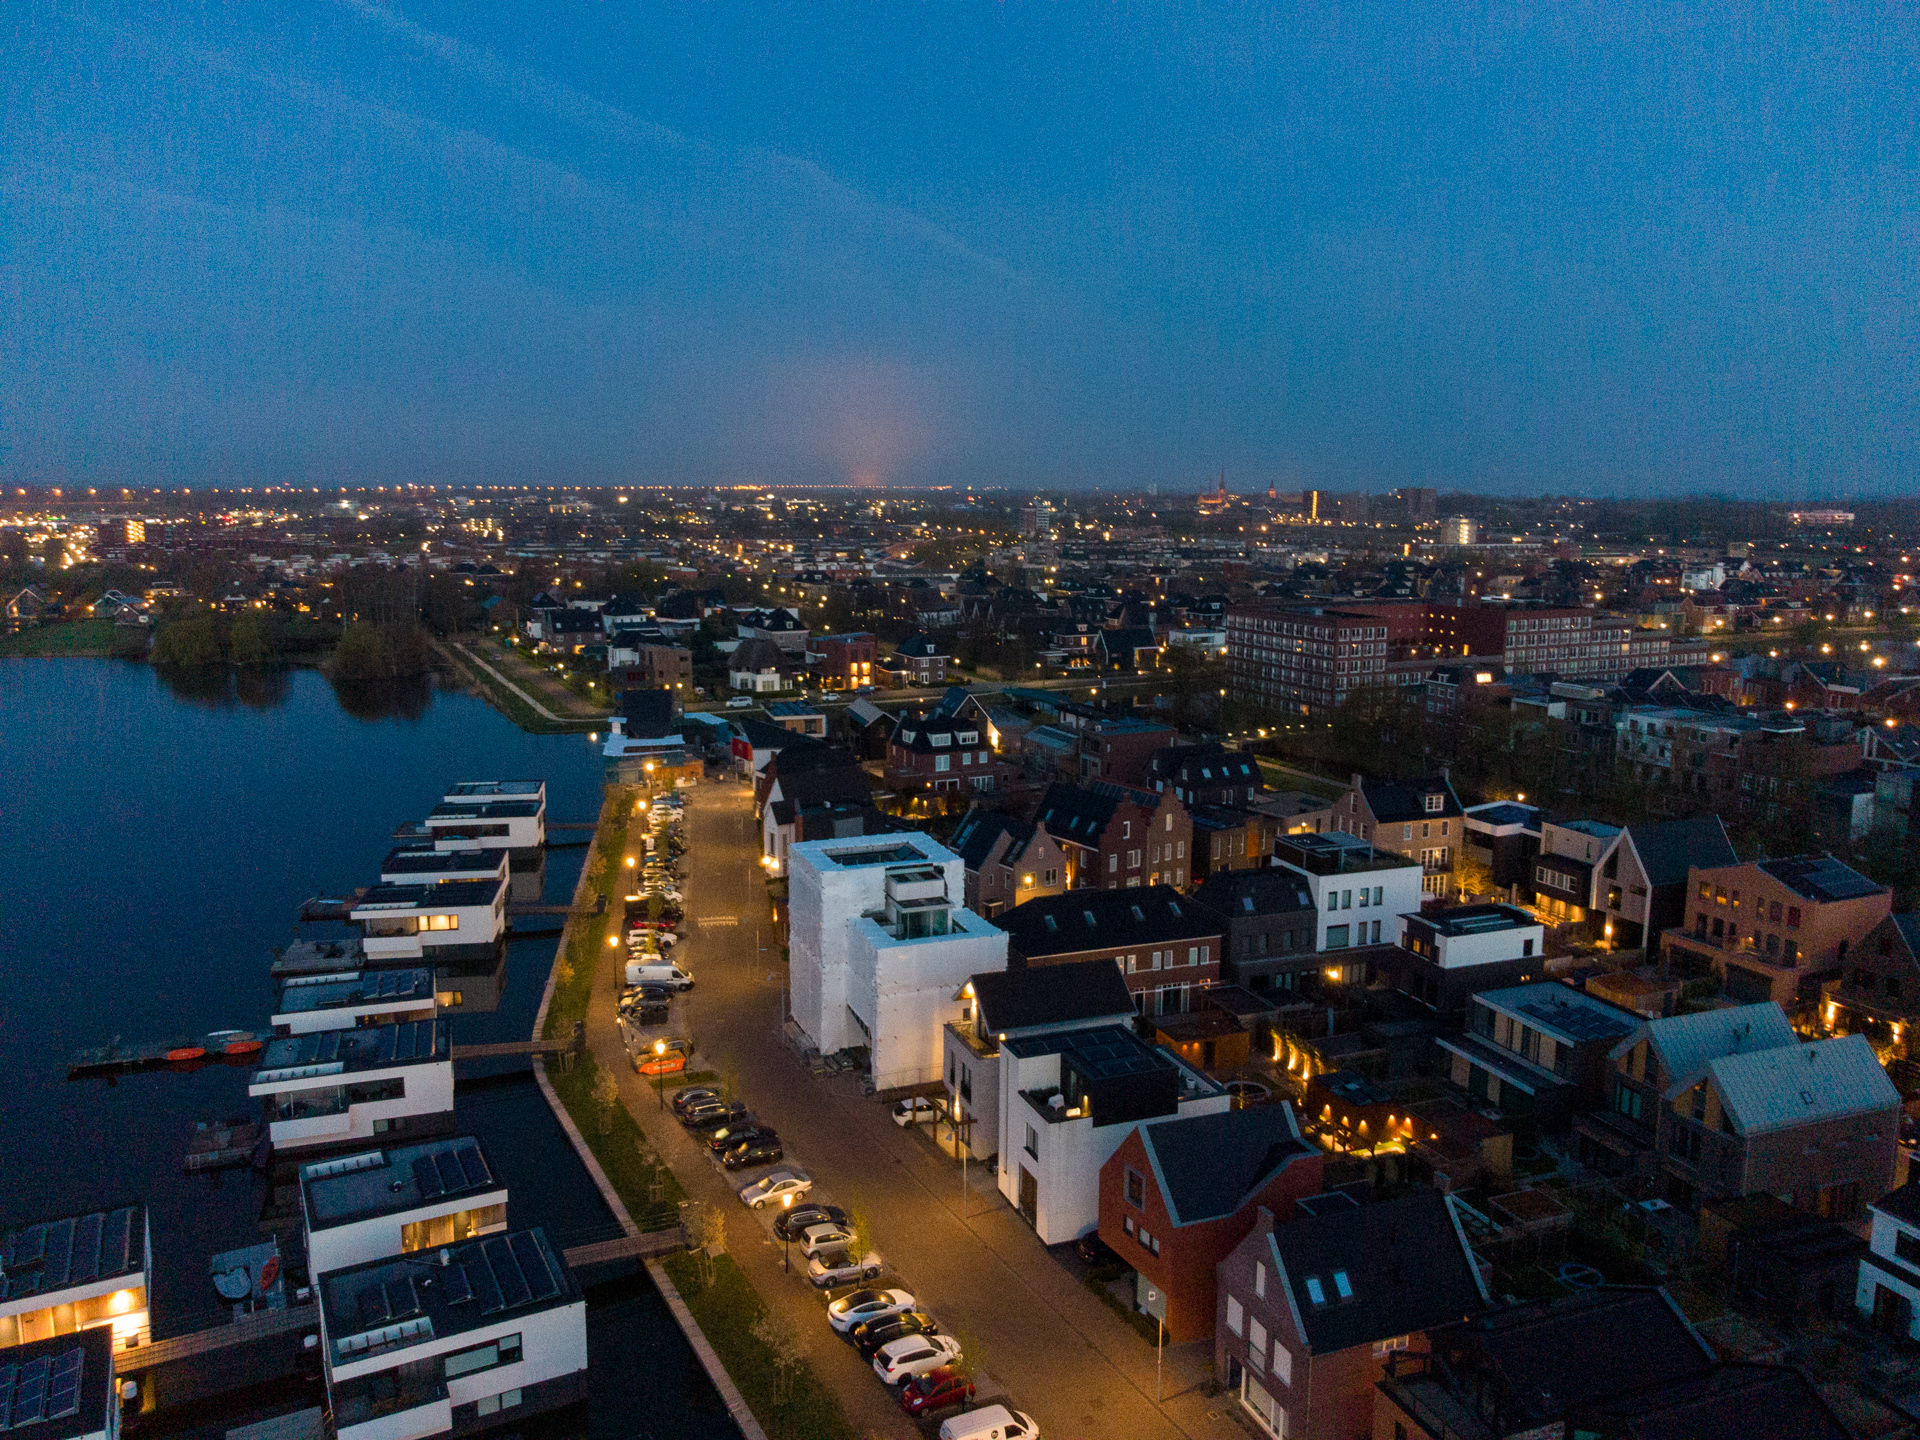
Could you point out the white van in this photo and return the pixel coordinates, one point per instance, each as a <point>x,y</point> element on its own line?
<point>658,973</point>
<point>992,1422</point>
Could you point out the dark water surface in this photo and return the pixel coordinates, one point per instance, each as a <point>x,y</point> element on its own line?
<point>156,840</point>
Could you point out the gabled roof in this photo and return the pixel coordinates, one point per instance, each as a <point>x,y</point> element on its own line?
<point>918,646</point>
<point>1357,1276</point>
<point>1393,801</point>
<point>758,655</point>
<point>1102,919</point>
<point>647,712</point>
<point>777,620</point>
<point>1052,995</point>
<point>1237,894</point>
<point>1790,1085</point>
<point>1208,1166</point>
<point>1731,1402</point>
<point>981,830</point>
<point>1683,1044</point>
<point>1666,849</point>
<point>1183,764</point>
<point>1080,812</point>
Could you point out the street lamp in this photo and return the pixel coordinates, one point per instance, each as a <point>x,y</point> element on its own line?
<point>786,1234</point>
<point>660,1079</point>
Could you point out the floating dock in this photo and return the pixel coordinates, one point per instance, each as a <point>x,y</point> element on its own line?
<point>223,1047</point>
<point>225,1145</point>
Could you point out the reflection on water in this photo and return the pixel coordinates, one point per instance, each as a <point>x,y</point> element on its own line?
<point>266,687</point>
<point>221,687</point>
<point>405,698</point>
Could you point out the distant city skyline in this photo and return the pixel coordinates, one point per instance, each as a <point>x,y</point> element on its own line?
<point>1643,251</point>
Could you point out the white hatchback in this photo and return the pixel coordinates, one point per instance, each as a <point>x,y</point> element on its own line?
<point>901,1360</point>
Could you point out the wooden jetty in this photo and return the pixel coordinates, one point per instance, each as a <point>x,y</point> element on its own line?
<point>647,1245</point>
<point>222,1146</point>
<point>573,1045</point>
<point>598,908</point>
<point>318,908</point>
<point>261,1325</point>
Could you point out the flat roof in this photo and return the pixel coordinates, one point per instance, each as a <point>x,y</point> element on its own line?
<point>1475,919</point>
<point>372,1047</point>
<point>1561,1010</point>
<point>329,992</point>
<point>386,1182</point>
<point>493,810</point>
<point>428,896</point>
<point>424,860</point>
<point>468,791</point>
<point>389,1305</point>
<point>58,1388</point>
<point>52,1255</point>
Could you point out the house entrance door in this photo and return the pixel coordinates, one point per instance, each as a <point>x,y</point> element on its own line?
<point>1892,1312</point>
<point>1029,1197</point>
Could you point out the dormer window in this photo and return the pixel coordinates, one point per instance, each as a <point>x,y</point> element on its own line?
<point>943,739</point>
<point>1435,804</point>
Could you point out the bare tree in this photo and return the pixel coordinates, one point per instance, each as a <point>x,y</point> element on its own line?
<point>777,1333</point>
<point>606,1096</point>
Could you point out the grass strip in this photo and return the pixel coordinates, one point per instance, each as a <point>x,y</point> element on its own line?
<point>74,639</point>
<point>726,1311</point>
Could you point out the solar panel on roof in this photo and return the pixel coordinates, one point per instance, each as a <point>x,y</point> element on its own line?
<point>31,1247</point>
<point>59,1253</point>
<point>372,1306</point>
<point>426,1175</point>
<point>63,1386</point>
<point>454,1280</point>
<point>541,1282</point>
<point>506,1271</point>
<point>474,1165</point>
<point>30,1393</point>
<point>484,1283</point>
<point>451,1175</point>
<point>86,1249</point>
<point>116,1245</point>
<point>402,1299</point>
<point>8,1374</point>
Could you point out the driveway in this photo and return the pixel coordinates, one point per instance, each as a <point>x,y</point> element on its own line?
<point>1027,1322</point>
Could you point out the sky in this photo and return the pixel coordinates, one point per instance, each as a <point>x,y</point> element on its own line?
<point>1504,247</point>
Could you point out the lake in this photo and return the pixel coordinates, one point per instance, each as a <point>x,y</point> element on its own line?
<point>156,841</point>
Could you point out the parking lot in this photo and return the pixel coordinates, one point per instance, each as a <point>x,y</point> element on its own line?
<point>1031,1331</point>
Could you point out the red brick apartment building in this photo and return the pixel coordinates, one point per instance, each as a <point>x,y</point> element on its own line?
<point>842,662</point>
<point>1116,836</point>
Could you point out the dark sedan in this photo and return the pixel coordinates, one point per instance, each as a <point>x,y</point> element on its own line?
<point>793,1223</point>
<point>754,1152</point>
<point>684,1100</point>
<point>872,1334</point>
<point>728,1136</point>
<point>714,1114</point>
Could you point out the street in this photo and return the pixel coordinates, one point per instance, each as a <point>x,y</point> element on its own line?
<point>1028,1323</point>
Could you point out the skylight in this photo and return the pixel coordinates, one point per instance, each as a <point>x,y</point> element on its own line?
<point>1138,914</point>
<point>1052,924</point>
<point>1342,1286</point>
<point>1315,1291</point>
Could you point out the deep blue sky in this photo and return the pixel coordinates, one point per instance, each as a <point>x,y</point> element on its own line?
<point>1526,247</point>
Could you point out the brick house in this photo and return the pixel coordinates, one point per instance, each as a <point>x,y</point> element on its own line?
<point>1165,945</point>
<point>1727,1103</point>
<point>1117,836</point>
<point>842,662</point>
<point>1208,774</point>
<point>781,626</point>
<point>1421,819</point>
<point>1773,928</point>
<point>1310,1310</point>
<point>1270,925</point>
<point>1878,993</point>
<point>1178,1195</point>
<point>1121,748</point>
<point>940,754</point>
<point>1009,861</point>
<point>920,660</point>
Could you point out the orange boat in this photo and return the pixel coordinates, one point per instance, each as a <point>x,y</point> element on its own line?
<point>187,1052</point>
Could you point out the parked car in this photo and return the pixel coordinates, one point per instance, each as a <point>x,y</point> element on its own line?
<point>824,1236</point>
<point>740,702</point>
<point>1092,1250</point>
<point>864,1305</point>
<point>769,1189</point>
<point>665,1062</point>
<point>914,1110</point>
<point>728,1136</point>
<point>991,1422</point>
<point>684,1100</point>
<point>663,972</point>
<point>763,1151</point>
<point>837,1267</point>
<point>714,1114</point>
<point>916,1355</point>
<point>869,1335</point>
<point>938,1389</point>
<point>792,1224</point>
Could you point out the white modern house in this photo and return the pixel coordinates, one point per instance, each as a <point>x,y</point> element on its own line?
<point>334,1087</point>
<point>427,865</point>
<point>517,826</point>
<point>1888,1291</point>
<point>880,947</point>
<point>455,1337</point>
<point>1361,893</point>
<point>1468,935</point>
<point>1002,1005</point>
<point>1067,1099</point>
<point>446,920</point>
<point>59,1278</point>
<point>382,1203</point>
<point>349,1000</point>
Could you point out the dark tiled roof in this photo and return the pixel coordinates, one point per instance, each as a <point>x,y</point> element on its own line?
<point>1075,812</point>
<point>1668,848</point>
<point>1101,919</point>
<point>1274,891</point>
<point>973,842</point>
<point>758,654</point>
<point>1563,1354</point>
<point>918,646</point>
<point>647,712</point>
<point>1402,1260</point>
<point>1395,801</point>
<point>1209,1165</point>
<point>1909,926</point>
<point>1051,995</point>
<point>1733,1402</point>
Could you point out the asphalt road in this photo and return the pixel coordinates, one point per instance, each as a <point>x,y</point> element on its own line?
<point>1026,1319</point>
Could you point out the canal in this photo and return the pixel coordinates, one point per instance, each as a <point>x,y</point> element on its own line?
<point>157,837</point>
